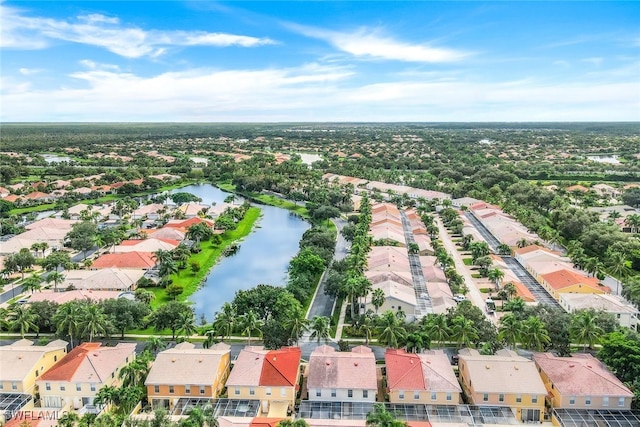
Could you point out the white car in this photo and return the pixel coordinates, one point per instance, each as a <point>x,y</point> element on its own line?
<point>459,298</point>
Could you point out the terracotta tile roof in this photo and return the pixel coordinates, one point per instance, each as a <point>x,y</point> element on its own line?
<point>580,375</point>
<point>89,362</point>
<point>265,422</point>
<point>530,248</point>
<point>125,260</point>
<point>36,195</point>
<point>280,367</point>
<point>345,370</point>
<point>12,198</point>
<point>253,369</point>
<point>188,223</point>
<point>76,294</point>
<point>524,292</point>
<point>564,278</point>
<point>52,223</point>
<point>426,371</point>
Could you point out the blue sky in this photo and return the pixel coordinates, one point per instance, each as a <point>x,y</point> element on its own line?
<point>319,61</point>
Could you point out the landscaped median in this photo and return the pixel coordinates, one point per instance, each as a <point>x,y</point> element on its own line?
<point>206,258</point>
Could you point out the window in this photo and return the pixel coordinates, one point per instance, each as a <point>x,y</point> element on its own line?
<point>333,392</point>
<point>349,393</point>
<point>318,393</point>
<point>93,387</point>
<point>605,400</point>
<point>1,386</point>
<point>365,394</point>
<point>236,391</point>
<point>14,385</point>
<point>37,374</point>
<point>47,386</point>
<point>268,391</point>
<point>501,397</point>
<point>534,398</point>
<point>171,389</point>
<point>252,391</point>
<point>434,395</point>
<point>187,389</point>
<point>449,396</point>
<point>519,398</point>
<point>416,395</point>
<point>587,400</point>
<point>78,387</point>
<point>201,389</point>
<point>401,394</point>
<point>485,397</point>
<point>55,358</point>
<point>62,388</point>
<point>621,401</point>
<point>156,389</point>
<point>572,400</point>
<point>283,392</point>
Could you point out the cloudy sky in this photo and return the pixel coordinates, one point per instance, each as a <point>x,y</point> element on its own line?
<point>319,61</point>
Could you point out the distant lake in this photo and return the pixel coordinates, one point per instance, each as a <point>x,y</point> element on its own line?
<point>54,158</point>
<point>200,160</point>
<point>605,158</point>
<point>309,158</point>
<point>263,257</point>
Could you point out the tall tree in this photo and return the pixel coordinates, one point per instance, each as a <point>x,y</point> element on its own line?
<point>391,329</point>
<point>584,328</point>
<point>380,417</point>
<point>320,328</point>
<point>250,322</point>
<point>22,319</point>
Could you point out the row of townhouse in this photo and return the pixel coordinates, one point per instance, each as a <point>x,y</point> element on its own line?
<point>274,378</point>
<point>573,288</point>
<point>383,187</point>
<point>503,226</point>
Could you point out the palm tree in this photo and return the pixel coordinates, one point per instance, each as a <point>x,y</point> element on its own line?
<point>496,275</point>
<point>534,333</point>
<point>106,396</point>
<point>584,328</point>
<point>633,221</point>
<point>181,254</point>
<point>225,320</point>
<point>69,419</point>
<point>504,249</point>
<point>437,328</point>
<point>154,345</point>
<point>351,287</point>
<point>463,331</point>
<point>135,372</point>
<point>617,263</point>
<point>251,323</point>
<point>509,290</point>
<point>593,266</point>
<point>510,330</point>
<point>68,319</point>
<point>22,319</point>
<point>380,417</point>
<point>320,328</point>
<point>391,329</point>
<point>198,232</point>
<point>297,326</point>
<point>32,283</point>
<point>366,327</point>
<point>187,323</point>
<point>95,321</point>
<point>377,298</point>
<point>293,423</point>
<point>56,278</point>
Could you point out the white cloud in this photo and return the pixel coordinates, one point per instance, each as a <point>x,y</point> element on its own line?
<point>595,61</point>
<point>315,92</point>
<point>25,32</point>
<point>367,43</point>
<point>30,71</point>
<point>561,63</point>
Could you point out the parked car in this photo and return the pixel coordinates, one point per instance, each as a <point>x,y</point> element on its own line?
<point>459,298</point>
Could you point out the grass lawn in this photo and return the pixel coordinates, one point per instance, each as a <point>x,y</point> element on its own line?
<point>467,261</point>
<point>207,257</point>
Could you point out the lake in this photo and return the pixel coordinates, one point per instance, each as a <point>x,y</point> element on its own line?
<point>54,158</point>
<point>263,257</point>
<point>611,159</point>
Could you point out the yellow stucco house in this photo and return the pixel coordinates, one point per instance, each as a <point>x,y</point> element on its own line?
<point>187,372</point>
<point>581,382</point>
<point>503,379</point>
<point>74,381</point>
<point>271,376</point>
<point>22,363</point>
<point>425,378</point>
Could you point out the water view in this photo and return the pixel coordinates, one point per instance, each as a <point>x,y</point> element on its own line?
<point>54,158</point>
<point>263,256</point>
<point>606,158</point>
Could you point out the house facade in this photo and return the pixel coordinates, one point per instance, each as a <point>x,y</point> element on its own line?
<point>185,371</point>
<point>74,381</point>
<point>22,363</point>
<point>342,376</point>
<point>426,378</point>
<point>503,379</point>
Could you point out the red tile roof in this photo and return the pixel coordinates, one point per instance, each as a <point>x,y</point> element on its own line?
<point>189,222</point>
<point>265,422</point>
<point>404,370</point>
<point>280,367</point>
<point>564,278</point>
<point>581,374</point>
<point>65,368</point>
<point>125,260</point>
